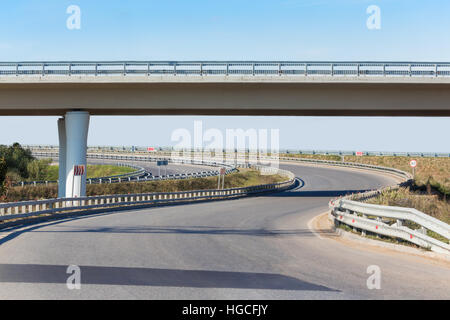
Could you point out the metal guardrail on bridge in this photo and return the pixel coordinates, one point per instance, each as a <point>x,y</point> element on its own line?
<point>226,68</point>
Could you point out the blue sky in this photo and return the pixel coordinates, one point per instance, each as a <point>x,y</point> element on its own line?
<point>230,30</point>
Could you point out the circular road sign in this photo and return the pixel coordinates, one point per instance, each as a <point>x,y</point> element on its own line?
<point>413,163</point>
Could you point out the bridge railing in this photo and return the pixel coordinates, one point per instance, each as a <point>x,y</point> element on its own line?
<point>226,68</point>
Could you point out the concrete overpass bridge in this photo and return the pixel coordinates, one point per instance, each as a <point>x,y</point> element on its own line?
<point>76,90</point>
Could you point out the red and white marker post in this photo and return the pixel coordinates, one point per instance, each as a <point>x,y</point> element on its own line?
<point>413,164</point>
<point>221,175</point>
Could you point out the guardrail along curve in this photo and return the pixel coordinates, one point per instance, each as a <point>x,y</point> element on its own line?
<point>17,210</point>
<point>369,217</point>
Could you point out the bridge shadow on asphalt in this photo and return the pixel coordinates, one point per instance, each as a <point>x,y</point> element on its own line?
<point>96,275</point>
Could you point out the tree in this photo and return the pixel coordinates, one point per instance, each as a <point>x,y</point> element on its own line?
<point>3,169</point>
<point>17,158</point>
<point>37,169</point>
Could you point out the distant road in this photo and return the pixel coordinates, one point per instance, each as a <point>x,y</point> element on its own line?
<point>253,248</point>
<point>172,168</point>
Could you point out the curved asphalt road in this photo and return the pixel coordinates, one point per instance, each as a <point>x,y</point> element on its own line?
<point>151,167</point>
<point>253,248</point>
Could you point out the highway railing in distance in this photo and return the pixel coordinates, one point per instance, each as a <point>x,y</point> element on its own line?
<point>167,151</point>
<point>24,209</point>
<point>336,69</point>
<point>140,175</point>
<point>140,172</point>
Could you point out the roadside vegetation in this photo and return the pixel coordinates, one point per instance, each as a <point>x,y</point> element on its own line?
<point>431,173</point>
<point>243,178</point>
<point>93,171</point>
<point>429,193</point>
<point>403,197</point>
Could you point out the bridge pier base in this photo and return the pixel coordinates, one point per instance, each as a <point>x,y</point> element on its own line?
<point>76,125</point>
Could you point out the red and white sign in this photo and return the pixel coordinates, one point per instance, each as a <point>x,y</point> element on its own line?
<point>79,170</point>
<point>359,153</point>
<point>150,149</point>
<point>413,163</point>
<point>222,171</point>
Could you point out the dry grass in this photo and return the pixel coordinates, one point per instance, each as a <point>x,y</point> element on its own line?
<point>313,156</point>
<point>432,171</point>
<point>243,178</point>
<point>403,197</point>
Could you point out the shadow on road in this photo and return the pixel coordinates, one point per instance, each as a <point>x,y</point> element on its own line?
<point>32,273</point>
<point>324,193</point>
<point>194,230</point>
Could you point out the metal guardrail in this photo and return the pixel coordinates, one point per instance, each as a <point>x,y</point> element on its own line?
<point>16,210</point>
<point>393,222</point>
<point>226,68</point>
<point>141,175</point>
<point>168,150</point>
<point>113,178</point>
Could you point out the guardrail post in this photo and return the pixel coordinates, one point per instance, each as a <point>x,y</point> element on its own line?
<point>378,219</point>
<point>363,232</point>
<point>423,230</point>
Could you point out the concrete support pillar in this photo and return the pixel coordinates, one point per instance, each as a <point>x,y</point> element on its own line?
<point>77,125</point>
<point>62,158</point>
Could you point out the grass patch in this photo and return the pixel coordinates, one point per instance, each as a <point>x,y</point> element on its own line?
<point>93,171</point>
<point>403,197</point>
<point>429,171</point>
<point>429,204</point>
<point>243,178</point>
<point>434,172</point>
<point>329,157</point>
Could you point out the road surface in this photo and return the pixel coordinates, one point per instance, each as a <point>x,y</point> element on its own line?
<point>251,248</point>
<point>152,167</point>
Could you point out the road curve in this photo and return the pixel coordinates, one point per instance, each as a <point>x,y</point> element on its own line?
<point>252,248</point>
<point>152,167</point>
